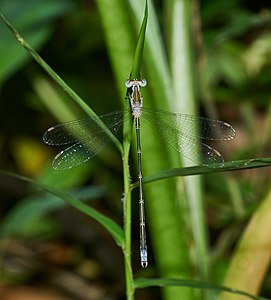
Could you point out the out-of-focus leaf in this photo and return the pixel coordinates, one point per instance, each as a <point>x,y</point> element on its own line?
<point>162,282</point>
<point>251,259</point>
<point>31,18</point>
<point>29,155</point>
<point>242,22</point>
<point>27,218</point>
<point>112,227</point>
<point>67,179</point>
<point>258,55</point>
<point>225,63</point>
<point>70,92</point>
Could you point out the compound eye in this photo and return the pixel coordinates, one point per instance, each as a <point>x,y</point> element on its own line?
<point>142,82</point>
<point>128,83</point>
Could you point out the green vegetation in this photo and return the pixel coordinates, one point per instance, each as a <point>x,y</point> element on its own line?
<point>208,235</point>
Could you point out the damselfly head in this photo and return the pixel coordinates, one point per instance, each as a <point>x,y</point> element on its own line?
<point>135,82</point>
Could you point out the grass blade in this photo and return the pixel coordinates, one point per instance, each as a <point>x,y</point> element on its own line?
<point>24,216</point>
<point>47,68</point>
<point>113,228</point>
<point>162,282</point>
<point>199,170</point>
<point>135,73</point>
<point>33,19</point>
<point>58,80</point>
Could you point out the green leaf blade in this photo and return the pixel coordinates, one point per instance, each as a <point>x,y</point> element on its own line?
<point>163,282</point>
<point>69,91</point>
<point>112,227</point>
<point>135,73</point>
<point>32,18</point>
<point>200,170</point>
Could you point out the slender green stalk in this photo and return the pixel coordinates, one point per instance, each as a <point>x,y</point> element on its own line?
<point>117,26</point>
<point>127,211</point>
<point>127,227</point>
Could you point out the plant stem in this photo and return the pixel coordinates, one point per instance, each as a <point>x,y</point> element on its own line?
<point>127,222</point>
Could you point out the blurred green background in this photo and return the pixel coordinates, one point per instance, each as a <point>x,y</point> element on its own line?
<point>52,250</point>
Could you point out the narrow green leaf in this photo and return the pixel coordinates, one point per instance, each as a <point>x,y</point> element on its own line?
<point>47,68</point>
<point>162,282</point>
<point>80,102</point>
<point>33,18</point>
<point>29,211</point>
<point>199,170</point>
<point>113,228</point>
<point>135,73</point>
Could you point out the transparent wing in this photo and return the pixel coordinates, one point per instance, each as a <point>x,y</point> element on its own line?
<point>86,136</point>
<point>190,147</point>
<point>80,152</point>
<point>71,132</point>
<point>181,132</point>
<point>207,129</point>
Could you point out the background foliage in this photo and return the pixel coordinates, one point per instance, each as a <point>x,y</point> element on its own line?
<point>51,249</point>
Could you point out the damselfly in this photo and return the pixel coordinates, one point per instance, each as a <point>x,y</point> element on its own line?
<point>183,132</point>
